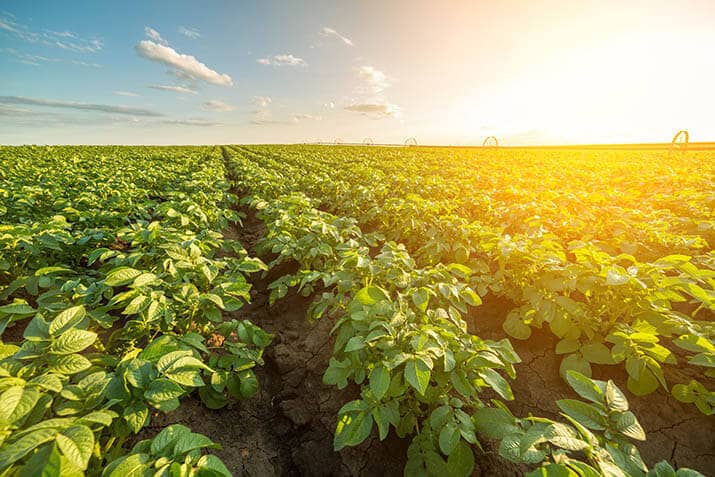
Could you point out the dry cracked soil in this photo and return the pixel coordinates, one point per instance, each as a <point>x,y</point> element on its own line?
<point>287,428</point>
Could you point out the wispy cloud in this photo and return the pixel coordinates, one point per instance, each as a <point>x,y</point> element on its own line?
<point>185,65</point>
<point>327,31</point>
<point>192,122</point>
<point>11,111</point>
<point>192,33</point>
<point>37,60</point>
<point>174,89</point>
<point>269,121</point>
<point>91,46</point>
<point>154,36</point>
<point>84,63</point>
<point>282,60</point>
<point>64,39</point>
<point>103,108</point>
<point>26,58</point>
<point>375,80</point>
<point>302,116</point>
<point>216,105</point>
<point>127,93</point>
<point>262,101</point>
<point>375,110</point>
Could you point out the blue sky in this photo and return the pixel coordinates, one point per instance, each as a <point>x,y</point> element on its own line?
<point>450,73</point>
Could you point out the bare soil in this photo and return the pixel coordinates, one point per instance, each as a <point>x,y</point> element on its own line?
<point>287,428</point>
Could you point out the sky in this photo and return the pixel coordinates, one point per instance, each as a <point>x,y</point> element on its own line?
<point>453,73</point>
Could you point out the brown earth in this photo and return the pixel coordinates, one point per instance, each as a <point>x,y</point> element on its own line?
<point>287,428</point>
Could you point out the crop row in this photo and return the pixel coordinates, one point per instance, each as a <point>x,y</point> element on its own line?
<point>401,337</point>
<point>114,284</point>
<point>582,259</point>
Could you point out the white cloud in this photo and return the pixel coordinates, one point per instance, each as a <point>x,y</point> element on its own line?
<point>266,121</point>
<point>375,79</point>
<point>216,105</point>
<point>300,117</point>
<point>104,108</point>
<point>175,89</point>
<point>28,59</point>
<point>154,35</point>
<point>281,60</point>
<point>262,101</point>
<point>184,64</point>
<point>192,122</point>
<point>127,93</point>
<point>327,31</point>
<point>192,33</point>
<point>65,40</point>
<point>90,46</point>
<point>84,63</point>
<point>375,110</point>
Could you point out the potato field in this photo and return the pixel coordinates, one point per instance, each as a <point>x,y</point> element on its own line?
<point>356,310</point>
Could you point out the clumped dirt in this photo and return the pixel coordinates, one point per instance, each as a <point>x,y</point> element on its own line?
<point>675,431</point>
<point>287,428</point>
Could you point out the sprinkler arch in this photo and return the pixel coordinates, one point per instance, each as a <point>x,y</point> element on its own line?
<point>411,141</point>
<point>490,141</point>
<point>680,142</point>
<point>368,141</point>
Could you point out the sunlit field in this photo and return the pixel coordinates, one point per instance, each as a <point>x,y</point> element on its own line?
<point>503,301</point>
<point>357,238</point>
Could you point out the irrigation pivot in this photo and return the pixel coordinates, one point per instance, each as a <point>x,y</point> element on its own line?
<point>680,142</point>
<point>368,141</point>
<point>490,141</point>
<point>411,141</point>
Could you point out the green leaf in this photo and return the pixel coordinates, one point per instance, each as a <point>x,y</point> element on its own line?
<point>597,353</point>
<point>72,341</point>
<point>190,441</point>
<point>69,364</point>
<point>134,465</point>
<point>584,386</point>
<point>121,276</point>
<point>136,416</point>
<point>417,374</point>
<point>17,402</point>
<point>11,453</point>
<point>615,277</point>
<point>211,466</point>
<point>355,343</point>
<point>553,470</point>
<point>352,428</point>
<point>615,399</point>
<point>17,309</point>
<point>471,297</point>
<point>371,295</point>
<point>646,384</point>
<point>627,424</point>
<point>575,362</point>
<point>586,414</point>
<point>461,461</point>
<point>494,423</point>
<point>379,381</point>
<point>567,346</point>
<point>137,304</point>
<point>516,328</point>
<point>67,319</point>
<point>497,383</point>
<point>420,298</point>
<point>449,437</point>
<point>163,389</point>
<point>565,437</point>
<point>76,443</point>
